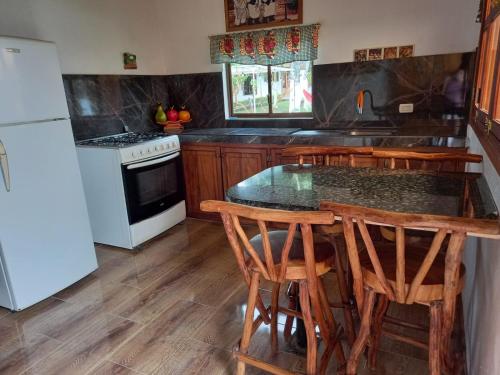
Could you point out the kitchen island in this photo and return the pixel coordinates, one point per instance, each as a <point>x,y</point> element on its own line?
<point>217,158</point>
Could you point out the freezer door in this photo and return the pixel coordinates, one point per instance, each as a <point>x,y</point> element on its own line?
<point>45,237</point>
<point>31,87</point>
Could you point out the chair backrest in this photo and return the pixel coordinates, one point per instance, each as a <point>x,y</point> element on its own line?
<point>423,160</point>
<point>327,155</point>
<point>231,214</point>
<point>455,228</point>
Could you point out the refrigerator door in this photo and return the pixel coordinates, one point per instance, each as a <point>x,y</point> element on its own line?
<point>45,237</point>
<point>31,87</point>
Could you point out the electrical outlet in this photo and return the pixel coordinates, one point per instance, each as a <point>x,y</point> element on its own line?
<point>406,108</point>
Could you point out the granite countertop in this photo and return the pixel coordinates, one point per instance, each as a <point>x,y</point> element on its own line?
<point>374,133</point>
<point>293,187</point>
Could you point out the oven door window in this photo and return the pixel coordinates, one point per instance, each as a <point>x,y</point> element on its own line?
<point>152,189</point>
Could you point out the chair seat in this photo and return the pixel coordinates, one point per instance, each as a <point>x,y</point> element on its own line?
<point>432,286</point>
<point>324,254</point>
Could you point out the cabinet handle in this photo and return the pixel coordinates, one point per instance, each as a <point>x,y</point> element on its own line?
<point>4,166</point>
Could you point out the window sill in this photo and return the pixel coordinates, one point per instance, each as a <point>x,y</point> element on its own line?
<point>267,118</point>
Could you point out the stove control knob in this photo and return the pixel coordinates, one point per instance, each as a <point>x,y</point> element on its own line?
<point>149,150</point>
<point>167,145</point>
<point>156,148</point>
<point>140,152</point>
<point>133,154</point>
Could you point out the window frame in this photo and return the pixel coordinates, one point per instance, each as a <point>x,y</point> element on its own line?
<point>271,114</point>
<point>486,121</point>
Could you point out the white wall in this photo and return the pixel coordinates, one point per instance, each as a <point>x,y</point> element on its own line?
<point>480,297</point>
<point>91,35</point>
<point>171,37</point>
<point>434,26</point>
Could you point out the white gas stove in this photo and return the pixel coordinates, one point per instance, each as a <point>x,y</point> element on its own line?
<point>134,186</point>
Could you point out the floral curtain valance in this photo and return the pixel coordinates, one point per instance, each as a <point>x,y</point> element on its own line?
<point>266,47</point>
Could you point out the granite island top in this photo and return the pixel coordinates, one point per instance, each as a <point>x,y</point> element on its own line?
<point>294,187</point>
<point>409,133</point>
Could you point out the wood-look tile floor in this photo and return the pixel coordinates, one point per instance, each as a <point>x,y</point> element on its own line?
<point>174,307</point>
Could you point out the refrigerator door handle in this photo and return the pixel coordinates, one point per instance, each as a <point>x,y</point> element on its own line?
<point>4,165</point>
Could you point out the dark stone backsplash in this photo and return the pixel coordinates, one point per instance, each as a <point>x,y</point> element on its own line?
<point>104,104</point>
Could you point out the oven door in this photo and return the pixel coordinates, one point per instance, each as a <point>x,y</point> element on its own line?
<point>152,186</point>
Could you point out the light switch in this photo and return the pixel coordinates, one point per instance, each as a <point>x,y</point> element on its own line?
<point>406,108</point>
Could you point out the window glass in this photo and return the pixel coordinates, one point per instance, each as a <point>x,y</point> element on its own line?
<point>292,87</point>
<point>249,88</point>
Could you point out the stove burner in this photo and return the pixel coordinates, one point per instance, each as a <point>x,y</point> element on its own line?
<point>121,140</point>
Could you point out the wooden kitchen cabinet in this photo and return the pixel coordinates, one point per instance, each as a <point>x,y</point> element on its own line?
<point>240,163</point>
<point>211,169</point>
<point>202,175</point>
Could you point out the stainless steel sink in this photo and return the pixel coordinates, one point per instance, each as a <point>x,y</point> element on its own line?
<point>329,132</point>
<point>371,132</point>
<point>265,131</point>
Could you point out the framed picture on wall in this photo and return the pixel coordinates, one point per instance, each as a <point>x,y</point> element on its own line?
<point>360,55</point>
<point>390,52</point>
<point>406,51</point>
<point>375,54</point>
<point>257,14</point>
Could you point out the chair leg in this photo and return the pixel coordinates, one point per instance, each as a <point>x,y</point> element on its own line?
<point>364,332</point>
<point>292,305</point>
<point>312,348</point>
<point>382,305</point>
<point>344,293</point>
<point>334,341</point>
<point>247,327</point>
<point>274,316</point>
<point>436,312</point>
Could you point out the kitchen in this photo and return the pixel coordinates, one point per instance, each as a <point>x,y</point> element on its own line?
<point>150,283</point>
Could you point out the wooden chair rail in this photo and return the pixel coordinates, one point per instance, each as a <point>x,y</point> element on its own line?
<point>266,214</point>
<point>482,227</point>
<point>432,156</point>
<point>425,157</point>
<point>327,155</point>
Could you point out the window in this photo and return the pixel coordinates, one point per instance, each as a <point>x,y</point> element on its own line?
<point>270,91</point>
<point>486,112</point>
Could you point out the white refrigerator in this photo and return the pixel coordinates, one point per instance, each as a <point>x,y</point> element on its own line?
<point>45,237</point>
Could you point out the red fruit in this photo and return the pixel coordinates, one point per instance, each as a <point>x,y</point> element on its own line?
<point>295,39</point>
<point>172,114</point>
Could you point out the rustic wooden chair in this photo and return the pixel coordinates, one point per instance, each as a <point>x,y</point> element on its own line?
<point>329,156</point>
<point>440,161</point>
<point>397,272</point>
<point>282,256</point>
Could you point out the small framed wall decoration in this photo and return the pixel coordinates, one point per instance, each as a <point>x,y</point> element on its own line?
<point>360,55</point>
<point>375,54</point>
<point>406,51</point>
<point>383,53</point>
<point>129,61</point>
<point>258,14</point>
<point>390,52</point>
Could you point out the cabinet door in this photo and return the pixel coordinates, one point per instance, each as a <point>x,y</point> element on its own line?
<point>240,163</point>
<point>202,175</point>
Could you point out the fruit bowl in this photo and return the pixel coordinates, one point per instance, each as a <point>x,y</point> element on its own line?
<point>168,125</point>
